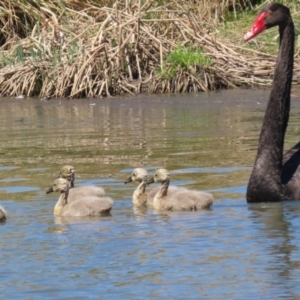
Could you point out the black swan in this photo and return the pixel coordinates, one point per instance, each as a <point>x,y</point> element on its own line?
<point>276,177</point>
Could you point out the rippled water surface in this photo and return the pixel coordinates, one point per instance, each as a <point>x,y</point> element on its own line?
<point>207,141</point>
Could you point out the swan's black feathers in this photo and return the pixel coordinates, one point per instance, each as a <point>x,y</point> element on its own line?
<point>276,176</point>
<point>290,175</point>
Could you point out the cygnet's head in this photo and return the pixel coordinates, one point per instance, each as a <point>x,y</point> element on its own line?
<point>59,185</point>
<point>161,175</point>
<point>68,172</point>
<point>138,174</point>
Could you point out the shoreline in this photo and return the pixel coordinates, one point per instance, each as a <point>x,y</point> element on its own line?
<point>128,49</point>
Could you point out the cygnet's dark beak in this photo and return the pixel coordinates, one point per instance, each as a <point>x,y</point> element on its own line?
<point>49,190</point>
<point>129,179</point>
<point>151,180</point>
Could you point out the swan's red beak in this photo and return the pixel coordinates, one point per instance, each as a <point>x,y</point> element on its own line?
<point>257,27</point>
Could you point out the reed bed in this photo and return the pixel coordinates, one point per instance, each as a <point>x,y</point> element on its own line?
<point>87,49</point>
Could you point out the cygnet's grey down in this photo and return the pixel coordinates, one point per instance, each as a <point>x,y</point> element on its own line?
<point>183,199</point>
<point>140,196</point>
<point>3,214</point>
<point>73,204</point>
<point>68,172</point>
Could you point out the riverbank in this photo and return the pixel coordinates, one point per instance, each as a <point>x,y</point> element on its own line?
<point>87,49</point>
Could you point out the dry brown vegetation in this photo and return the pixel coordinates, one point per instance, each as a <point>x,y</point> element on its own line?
<point>103,48</point>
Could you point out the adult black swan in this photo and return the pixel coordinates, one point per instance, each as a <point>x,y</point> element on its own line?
<point>276,177</point>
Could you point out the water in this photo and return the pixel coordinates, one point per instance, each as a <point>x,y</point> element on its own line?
<point>207,141</point>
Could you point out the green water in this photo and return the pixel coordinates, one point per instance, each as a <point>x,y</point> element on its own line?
<point>207,141</point>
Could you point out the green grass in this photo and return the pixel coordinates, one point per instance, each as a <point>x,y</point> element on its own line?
<point>183,58</point>
<point>19,54</point>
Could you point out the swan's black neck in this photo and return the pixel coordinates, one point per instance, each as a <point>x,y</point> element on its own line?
<point>265,181</point>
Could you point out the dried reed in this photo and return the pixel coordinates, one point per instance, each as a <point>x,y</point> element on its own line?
<point>85,49</point>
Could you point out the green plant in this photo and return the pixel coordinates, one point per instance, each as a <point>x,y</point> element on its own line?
<point>19,54</point>
<point>184,58</point>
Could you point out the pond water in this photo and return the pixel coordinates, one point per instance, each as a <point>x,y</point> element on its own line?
<point>207,141</point>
